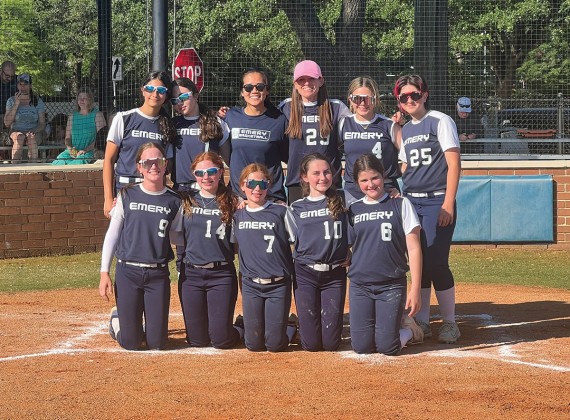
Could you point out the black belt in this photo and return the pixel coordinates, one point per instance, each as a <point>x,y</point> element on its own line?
<point>215,264</point>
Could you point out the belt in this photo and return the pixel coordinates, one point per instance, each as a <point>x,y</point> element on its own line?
<point>129,179</point>
<point>136,264</point>
<point>425,194</point>
<point>271,280</point>
<point>323,267</point>
<point>211,265</point>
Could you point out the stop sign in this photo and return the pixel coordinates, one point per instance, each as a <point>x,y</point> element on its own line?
<point>189,64</point>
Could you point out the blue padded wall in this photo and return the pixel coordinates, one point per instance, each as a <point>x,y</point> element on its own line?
<point>505,209</point>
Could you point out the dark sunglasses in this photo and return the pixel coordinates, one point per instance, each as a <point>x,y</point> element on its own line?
<point>249,87</point>
<point>183,97</point>
<point>358,99</point>
<point>252,183</point>
<point>403,98</point>
<point>161,90</point>
<point>464,106</point>
<point>9,76</point>
<point>202,172</point>
<point>147,163</point>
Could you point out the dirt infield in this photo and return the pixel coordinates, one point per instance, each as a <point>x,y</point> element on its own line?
<point>58,361</point>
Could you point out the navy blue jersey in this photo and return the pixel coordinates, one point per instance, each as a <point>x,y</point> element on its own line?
<point>264,241</point>
<point>423,145</point>
<point>147,220</point>
<point>258,139</point>
<point>377,234</point>
<point>129,131</point>
<point>319,239</point>
<point>188,145</point>
<point>312,142</point>
<point>375,137</point>
<point>207,238</point>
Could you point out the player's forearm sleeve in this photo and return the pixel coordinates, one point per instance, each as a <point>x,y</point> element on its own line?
<point>110,244</point>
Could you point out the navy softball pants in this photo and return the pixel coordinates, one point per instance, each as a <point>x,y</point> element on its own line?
<point>141,291</point>
<point>265,313</point>
<point>320,297</point>
<point>208,298</point>
<point>436,243</point>
<point>376,315</point>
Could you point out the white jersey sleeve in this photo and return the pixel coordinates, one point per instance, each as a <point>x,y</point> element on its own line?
<point>117,129</point>
<point>409,216</point>
<point>447,133</point>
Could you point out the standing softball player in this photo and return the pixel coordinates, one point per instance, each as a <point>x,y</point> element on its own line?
<point>208,282</point>
<point>257,134</point>
<point>198,130</point>
<point>366,131</point>
<point>313,124</point>
<point>265,263</point>
<point>319,224</point>
<point>383,230</point>
<point>431,169</point>
<point>144,220</point>
<point>130,130</point>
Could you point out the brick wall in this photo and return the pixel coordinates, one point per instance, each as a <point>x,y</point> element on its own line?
<point>560,171</point>
<point>48,210</point>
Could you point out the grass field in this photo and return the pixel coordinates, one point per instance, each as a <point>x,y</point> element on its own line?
<point>497,266</point>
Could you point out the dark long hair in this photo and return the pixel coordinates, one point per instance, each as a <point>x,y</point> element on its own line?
<point>267,102</point>
<point>210,128</point>
<point>334,203</point>
<point>367,162</point>
<point>167,129</point>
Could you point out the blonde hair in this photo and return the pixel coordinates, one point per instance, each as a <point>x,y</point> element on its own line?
<point>368,83</point>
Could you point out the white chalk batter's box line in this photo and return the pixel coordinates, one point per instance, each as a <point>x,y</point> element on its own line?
<point>506,352</point>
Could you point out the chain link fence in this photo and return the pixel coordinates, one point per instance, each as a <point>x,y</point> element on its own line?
<point>511,58</point>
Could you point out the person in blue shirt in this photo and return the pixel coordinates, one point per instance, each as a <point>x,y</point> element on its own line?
<point>130,129</point>
<point>257,134</point>
<point>430,175</point>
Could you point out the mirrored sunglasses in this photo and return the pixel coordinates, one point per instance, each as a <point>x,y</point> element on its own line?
<point>147,163</point>
<point>249,87</point>
<point>365,99</point>
<point>161,90</point>
<point>202,172</point>
<point>252,183</point>
<point>403,98</point>
<point>183,97</point>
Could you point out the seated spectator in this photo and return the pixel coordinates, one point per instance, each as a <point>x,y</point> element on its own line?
<point>8,88</point>
<point>55,134</point>
<point>83,128</point>
<point>26,117</point>
<point>469,126</point>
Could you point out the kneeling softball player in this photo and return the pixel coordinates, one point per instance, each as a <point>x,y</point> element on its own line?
<point>383,232</point>
<point>144,220</point>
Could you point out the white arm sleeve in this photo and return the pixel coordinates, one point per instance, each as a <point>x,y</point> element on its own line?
<point>447,133</point>
<point>112,235</point>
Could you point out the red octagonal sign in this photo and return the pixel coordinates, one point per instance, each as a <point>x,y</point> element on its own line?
<point>189,64</point>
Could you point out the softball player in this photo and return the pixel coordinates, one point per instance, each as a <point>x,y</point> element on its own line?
<point>198,130</point>
<point>313,124</point>
<point>265,263</point>
<point>385,230</point>
<point>144,220</point>
<point>257,134</point>
<point>131,129</point>
<point>319,224</point>
<point>366,131</point>
<point>431,169</point>
<point>208,280</point>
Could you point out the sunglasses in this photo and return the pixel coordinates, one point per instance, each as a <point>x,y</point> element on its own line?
<point>183,97</point>
<point>147,163</point>
<point>403,98</point>
<point>365,99</point>
<point>252,183</point>
<point>202,172</point>
<point>249,87</point>
<point>161,90</point>
<point>464,106</point>
<point>8,76</point>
